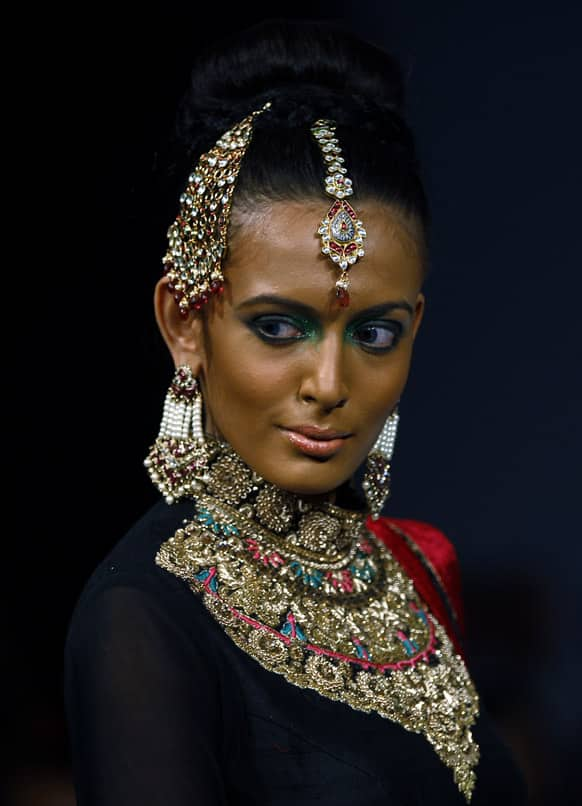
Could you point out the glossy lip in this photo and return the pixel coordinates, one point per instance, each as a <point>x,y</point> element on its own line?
<point>314,441</point>
<point>316,432</point>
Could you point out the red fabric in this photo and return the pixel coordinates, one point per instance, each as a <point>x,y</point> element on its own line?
<point>441,555</point>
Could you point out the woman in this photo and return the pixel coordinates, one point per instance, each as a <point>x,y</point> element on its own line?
<point>263,635</point>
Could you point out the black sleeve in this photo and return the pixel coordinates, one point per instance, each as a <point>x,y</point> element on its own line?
<point>143,705</point>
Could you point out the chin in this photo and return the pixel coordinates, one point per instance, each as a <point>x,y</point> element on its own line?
<point>312,478</point>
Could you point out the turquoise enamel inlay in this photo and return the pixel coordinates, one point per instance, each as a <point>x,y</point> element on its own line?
<point>315,578</point>
<point>363,570</point>
<point>219,528</point>
<point>203,575</point>
<point>362,651</point>
<point>291,629</point>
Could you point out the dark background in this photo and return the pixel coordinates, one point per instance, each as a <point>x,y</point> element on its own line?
<point>489,442</point>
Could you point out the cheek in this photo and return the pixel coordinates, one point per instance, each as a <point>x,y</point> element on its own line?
<point>245,380</point>
<point>379,388</point>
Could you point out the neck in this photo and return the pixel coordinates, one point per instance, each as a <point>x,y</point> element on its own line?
<point>316,524</point>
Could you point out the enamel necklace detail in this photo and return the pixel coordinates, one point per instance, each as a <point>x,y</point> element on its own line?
<point>311,593</point>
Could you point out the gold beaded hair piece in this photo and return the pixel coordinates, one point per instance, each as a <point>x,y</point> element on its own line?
<point>197,239</point>
<point>342,233</point>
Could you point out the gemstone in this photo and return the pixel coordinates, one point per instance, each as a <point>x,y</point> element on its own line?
<point>343,297</point>
<point>342,227</point>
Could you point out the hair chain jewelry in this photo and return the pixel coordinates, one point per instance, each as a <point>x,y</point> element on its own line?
<point>197,239</point>
<point>342,233</point>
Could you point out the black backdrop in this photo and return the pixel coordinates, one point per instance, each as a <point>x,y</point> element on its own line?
<point>489,441</point>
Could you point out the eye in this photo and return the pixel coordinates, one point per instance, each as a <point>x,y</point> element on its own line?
<point>378,336</point>
<point>278,328</point>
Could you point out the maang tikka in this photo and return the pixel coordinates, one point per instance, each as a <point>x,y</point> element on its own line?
<point>376,481</point>
<point>342,233</point>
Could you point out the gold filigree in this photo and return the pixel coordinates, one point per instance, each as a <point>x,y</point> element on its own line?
<point>274,508</point>
<point>372,645</point>
<point>317,530</point>
<point>230,479</point>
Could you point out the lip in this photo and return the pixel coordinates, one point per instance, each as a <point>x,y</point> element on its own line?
<point>316,432</point>
<point>314,441</point>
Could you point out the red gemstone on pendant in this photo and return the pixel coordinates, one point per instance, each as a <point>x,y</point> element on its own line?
<point>343,297</point>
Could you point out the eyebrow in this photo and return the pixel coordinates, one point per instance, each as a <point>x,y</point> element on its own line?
<point>307,310</point>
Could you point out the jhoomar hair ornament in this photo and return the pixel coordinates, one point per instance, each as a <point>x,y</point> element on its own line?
<point>197,239</point>
<point>198,236</point>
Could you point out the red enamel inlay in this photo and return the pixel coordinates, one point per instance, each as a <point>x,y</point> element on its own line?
<point>402,664</point>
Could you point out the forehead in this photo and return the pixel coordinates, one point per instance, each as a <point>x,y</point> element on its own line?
<point>277,250</point>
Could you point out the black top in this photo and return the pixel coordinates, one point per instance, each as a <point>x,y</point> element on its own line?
<point>165,710</point>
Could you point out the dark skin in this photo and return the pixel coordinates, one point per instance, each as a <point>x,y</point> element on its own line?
<point>267,365</point>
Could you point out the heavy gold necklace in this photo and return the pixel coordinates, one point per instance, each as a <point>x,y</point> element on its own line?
<point>312,594</point>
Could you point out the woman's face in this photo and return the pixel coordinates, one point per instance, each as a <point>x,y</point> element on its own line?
<point>278,356</point>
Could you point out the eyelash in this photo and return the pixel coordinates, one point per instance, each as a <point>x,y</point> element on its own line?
<point>394,328</point>
<point>278,320</point>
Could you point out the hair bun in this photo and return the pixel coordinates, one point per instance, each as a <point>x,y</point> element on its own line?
<point>307,68</point>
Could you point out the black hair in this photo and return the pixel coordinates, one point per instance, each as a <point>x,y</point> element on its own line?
<point>308,69</point>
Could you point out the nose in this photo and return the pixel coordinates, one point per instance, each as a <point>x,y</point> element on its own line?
<point>323,381</point>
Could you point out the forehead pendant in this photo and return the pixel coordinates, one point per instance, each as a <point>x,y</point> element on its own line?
<point>342,233</point>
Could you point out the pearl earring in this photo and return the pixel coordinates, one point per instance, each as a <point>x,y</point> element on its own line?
<point>179,458</point>
<point>376,482</point>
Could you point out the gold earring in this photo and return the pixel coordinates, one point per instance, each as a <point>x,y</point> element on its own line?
<point>376,481</point>
<point>178,459</point>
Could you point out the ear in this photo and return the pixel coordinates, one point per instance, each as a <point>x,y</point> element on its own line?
<point>418,313</point>
<point>183,336</point>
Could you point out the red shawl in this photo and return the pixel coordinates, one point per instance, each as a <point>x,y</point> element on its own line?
<point>430,560</point>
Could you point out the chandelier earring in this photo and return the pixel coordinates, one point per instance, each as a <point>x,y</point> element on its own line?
<point>376,481</point>
<point>178,459</point>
